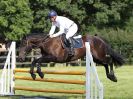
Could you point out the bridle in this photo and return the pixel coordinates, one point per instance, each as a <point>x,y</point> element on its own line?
<point>44,40</point>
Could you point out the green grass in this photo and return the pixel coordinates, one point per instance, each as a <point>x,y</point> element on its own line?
<point>123,89</point>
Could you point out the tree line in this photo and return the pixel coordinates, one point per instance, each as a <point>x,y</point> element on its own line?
<point>110,19</point>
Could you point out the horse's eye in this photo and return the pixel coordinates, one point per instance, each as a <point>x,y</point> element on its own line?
<point>23,42</point>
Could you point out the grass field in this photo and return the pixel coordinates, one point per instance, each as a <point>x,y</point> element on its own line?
<point>123,89</point>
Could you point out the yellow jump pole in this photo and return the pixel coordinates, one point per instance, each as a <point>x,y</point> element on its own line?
<point>50,90</point>
<point>52,80</point>
<point>54,72</point>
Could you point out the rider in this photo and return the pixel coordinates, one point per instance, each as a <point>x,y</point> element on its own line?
<point>65,25</point>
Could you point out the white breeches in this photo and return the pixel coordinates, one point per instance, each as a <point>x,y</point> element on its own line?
<point>71,31</point>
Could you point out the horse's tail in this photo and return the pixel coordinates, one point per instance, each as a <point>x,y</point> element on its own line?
<point>118,60</point>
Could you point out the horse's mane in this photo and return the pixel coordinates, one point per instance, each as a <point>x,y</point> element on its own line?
<point>35,35</point>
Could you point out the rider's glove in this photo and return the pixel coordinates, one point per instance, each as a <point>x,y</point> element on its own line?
<point>51,36</point>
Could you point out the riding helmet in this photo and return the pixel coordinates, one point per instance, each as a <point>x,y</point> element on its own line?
<point>52,13</point>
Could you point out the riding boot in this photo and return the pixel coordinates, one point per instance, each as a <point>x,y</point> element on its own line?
<point>71,49</point>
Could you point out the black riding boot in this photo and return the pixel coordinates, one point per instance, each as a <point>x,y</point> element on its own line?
<point>71,49</point>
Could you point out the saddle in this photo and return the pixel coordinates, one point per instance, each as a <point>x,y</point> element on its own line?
<point>77,42</point>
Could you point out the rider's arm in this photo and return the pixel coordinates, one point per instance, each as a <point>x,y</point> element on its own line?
<point>52,29</point>
<point>60,32</point>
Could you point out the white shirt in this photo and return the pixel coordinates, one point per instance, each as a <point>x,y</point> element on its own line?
<point>62,23</point>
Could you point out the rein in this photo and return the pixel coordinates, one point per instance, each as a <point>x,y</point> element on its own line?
<point>43,40</point>
<point>27,43</point>
<point>46,38</point>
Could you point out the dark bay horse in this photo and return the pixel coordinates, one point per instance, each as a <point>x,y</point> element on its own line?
<point>53,51</point>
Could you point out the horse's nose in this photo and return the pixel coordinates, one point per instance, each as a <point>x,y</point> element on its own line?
<point>20,59</point>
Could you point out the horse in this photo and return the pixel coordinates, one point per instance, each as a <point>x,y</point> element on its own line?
<point>52,50</point>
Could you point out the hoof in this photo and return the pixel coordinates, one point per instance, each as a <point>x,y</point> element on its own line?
<point>33,76</point>
<point>112,78</point>
<point>41,75</point>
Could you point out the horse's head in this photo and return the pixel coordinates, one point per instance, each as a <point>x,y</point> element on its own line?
<point>30,42</point>
<point>26,46</point>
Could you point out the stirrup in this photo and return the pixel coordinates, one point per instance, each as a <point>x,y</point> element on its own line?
<point>70,52</point>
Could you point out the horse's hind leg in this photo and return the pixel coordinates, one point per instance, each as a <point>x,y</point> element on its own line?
<point>112,75</point>
<point>107,70</point>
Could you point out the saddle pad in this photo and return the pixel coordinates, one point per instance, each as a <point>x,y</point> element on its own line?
<point>76,43</point>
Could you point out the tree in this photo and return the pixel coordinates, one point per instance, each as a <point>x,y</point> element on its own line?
<point>15,18</point>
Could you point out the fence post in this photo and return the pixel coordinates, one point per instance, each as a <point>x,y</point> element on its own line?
<point>88,93</point>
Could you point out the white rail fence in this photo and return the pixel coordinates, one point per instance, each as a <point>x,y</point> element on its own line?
<point>94,88</point>
<point>6,80</point>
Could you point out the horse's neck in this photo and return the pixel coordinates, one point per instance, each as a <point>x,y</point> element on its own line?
<point>50,43</point>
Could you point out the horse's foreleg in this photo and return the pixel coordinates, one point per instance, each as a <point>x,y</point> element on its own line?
<point>44,59</point>
<point>36,62</point>
<point>32,69</point>
<point>40,73</point>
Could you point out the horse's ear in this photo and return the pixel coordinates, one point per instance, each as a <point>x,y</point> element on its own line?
<point>2,39</point>
<point>96,34</point>
<point>24,37</point>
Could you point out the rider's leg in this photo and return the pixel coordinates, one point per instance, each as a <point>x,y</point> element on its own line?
<point>71,31</point>
<point>71,49</point>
